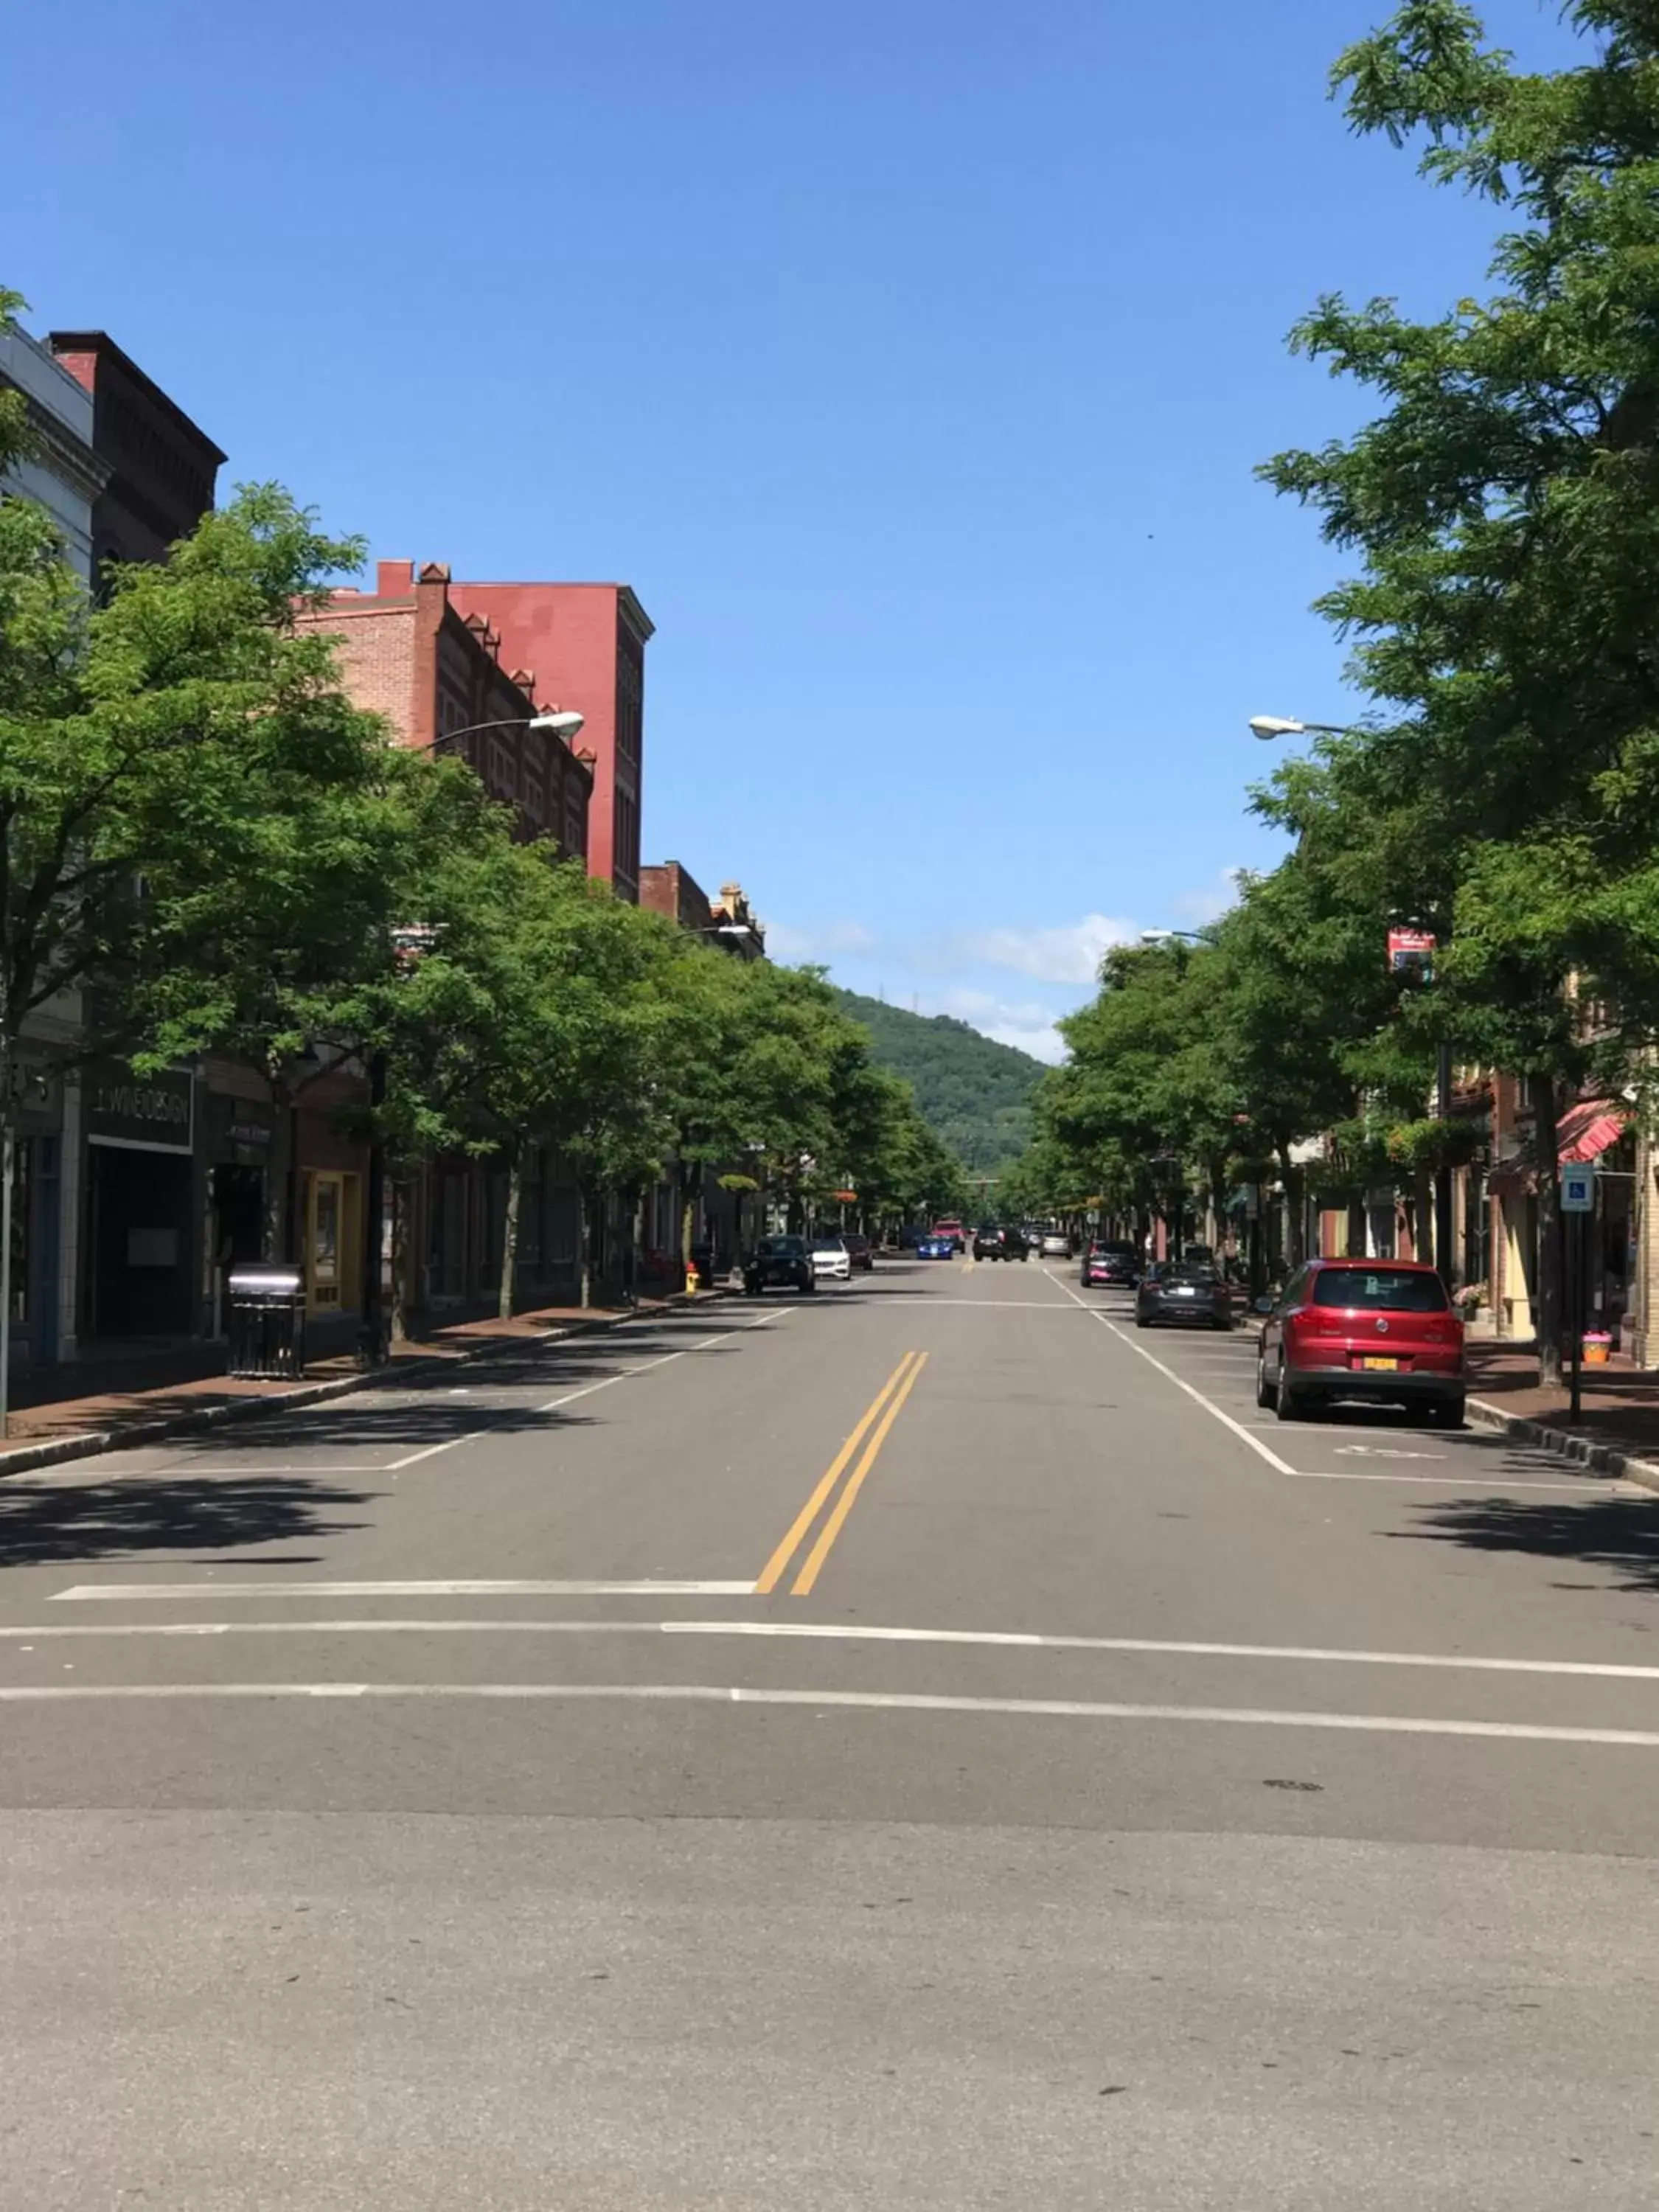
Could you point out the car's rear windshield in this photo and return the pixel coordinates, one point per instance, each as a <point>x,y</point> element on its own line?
<point>1111,1251</point>
<point>780,1247</point>
<point>1372,1290</point>
<point>1189,1275</point>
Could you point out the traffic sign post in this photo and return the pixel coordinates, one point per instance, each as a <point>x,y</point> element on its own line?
<point>1578,1193</point>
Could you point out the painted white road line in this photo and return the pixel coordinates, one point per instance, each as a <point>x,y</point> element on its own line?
<point>130,1593</point>
<point>587,1389</point>
<point>1487,1486</point>
<point>827,1701</point>
<point>1279,1466</point>
<point>838,1632</point>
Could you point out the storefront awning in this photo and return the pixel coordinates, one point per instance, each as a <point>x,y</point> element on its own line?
<point>1585,1130</point>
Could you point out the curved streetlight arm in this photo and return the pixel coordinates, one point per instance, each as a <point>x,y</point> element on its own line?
<point>566,726</point>
<point>1269,726</point>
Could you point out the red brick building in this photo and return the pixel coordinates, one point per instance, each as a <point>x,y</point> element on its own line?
<point>586,644</point>
<point>162,468</point>
<point>408,651</point>
<point>667,887</point>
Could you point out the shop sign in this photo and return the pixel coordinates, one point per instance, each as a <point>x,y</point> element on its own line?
<point>1411,951</point>
<point>144,1113</point>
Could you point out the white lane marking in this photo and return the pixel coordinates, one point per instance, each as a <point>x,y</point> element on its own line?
<point>127,1593</point>
<point>1384,1451</point>
<point>1485,1485</point>
<point>587,1389</point>
<point>1279,1466</point>
<point>835,1700</point>
<point>838,1632</point>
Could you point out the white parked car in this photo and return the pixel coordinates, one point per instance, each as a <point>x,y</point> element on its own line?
<point>1056,1244</point>
<point>831,1257</point>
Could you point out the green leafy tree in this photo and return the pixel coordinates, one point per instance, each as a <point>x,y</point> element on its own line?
<point>1502,505</point>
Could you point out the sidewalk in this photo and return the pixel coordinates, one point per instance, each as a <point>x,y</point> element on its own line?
<point>1620,1421</point>
<point>121,1404</point>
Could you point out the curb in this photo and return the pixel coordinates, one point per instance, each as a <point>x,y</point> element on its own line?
<point>1599,1459</point>
<point>138,1435</point>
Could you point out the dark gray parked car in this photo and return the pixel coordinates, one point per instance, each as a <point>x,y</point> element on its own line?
<point>1182,1295</point>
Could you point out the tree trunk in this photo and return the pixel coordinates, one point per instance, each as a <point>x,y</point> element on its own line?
<point>688,1219</point>
<point>1547,1314</point>
<point>1423,1217</point>
<point>584,1257</point>
<point>1296,1224</point>
<point>281,1192</point>
<point>400,1212</point>
<point>510,1235</point>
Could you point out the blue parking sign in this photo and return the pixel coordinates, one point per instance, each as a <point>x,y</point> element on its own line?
<point>1577,1190</point>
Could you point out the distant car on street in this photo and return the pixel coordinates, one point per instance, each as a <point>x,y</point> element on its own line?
<point>1109,1264</point>
<point>935,1247</point>
<point>1183,1294</point>
<point>780,1261</point>
<point>859,1250</point>
<point>831,1258</point>
<point>1056,1244</point>
<point>951,1228</point>
<point>993,1241</point>
<point>1383,1331</point>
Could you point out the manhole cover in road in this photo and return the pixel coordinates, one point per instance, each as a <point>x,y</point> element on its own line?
<point>1314,1788</point>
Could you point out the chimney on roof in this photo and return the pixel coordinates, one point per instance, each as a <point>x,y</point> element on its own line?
<point>392,579</point>
<point>731,896</point>
<point>433,572</point>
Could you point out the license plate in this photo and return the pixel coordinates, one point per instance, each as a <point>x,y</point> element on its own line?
<point>1184,1291</point>
<point>1383,1366</point>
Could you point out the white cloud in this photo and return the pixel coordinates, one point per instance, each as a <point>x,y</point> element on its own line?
<point>1028,1027</point>
<point>1071,953</point>
<point>818,940</point>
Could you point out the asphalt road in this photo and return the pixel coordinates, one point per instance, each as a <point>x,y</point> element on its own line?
<point>593,1784</point>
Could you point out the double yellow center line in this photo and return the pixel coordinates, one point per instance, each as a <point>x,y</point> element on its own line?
<point>874,1426</point>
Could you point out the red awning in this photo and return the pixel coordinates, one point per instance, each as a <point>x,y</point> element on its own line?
<point>1585,1130</point>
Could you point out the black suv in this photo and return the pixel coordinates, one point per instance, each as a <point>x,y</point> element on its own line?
<point>991,1243</point>
<point>779,1259</point>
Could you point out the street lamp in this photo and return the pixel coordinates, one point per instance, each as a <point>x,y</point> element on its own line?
<point>1168,936</point>
<point>566,724</point>
<point>1269,726</point>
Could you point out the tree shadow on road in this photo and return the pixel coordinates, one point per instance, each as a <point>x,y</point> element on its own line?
<point>1621,1535</point>
<point>40,1523</point>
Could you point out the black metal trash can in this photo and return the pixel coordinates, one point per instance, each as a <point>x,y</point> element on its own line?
<point>267,1323</point>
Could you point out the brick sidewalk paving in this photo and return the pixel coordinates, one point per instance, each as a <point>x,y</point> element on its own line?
<point>1620,1401</point>
<point>100,1411</point>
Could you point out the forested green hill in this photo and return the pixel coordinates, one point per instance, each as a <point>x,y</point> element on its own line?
<point>973,1092</point>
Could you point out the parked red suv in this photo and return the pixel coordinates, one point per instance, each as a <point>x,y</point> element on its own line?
<point>1382,1330</point>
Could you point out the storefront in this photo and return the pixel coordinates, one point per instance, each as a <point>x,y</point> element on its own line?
<point>329,1186</point>
<point>37,1214</point>
<point>139,1202</point>
<point>241,1143</point>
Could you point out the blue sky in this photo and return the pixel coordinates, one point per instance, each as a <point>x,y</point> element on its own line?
<point>910,357</point>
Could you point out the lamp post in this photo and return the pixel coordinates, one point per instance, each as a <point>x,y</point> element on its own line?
<point>1269,728</point>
